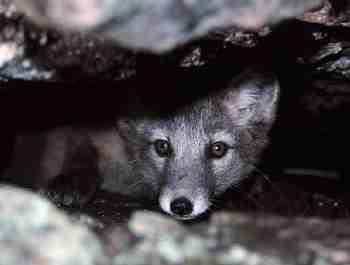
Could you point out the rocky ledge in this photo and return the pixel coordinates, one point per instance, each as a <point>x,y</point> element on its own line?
<point>32,231</point>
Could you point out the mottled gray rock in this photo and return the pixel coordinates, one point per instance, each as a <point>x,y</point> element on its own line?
<point>160,25</point>
<point>234,239</point>
<point>14,44</point>
<point>31,53</point>
<point>32,231</point>
<point>333,13</point>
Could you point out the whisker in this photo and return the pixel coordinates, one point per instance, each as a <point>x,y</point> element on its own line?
<point>274,187</point>
<point>268,180</point>
<point>134,185</point>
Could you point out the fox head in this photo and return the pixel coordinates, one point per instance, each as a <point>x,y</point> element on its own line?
<point>200,150</point>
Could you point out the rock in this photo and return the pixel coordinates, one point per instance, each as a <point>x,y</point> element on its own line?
<point>32,231</point>
<point>160,25</point>
<point>333,13</point>
<point>231,238</point>
<point>162,241</point>
<point>31,53</point>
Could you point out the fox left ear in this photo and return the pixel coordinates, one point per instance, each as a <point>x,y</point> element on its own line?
<point>252,98</point>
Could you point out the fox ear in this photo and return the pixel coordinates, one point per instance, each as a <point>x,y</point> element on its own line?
<point>252,98</point>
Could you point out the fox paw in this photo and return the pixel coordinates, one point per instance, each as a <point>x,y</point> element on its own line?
<point>70,191</point>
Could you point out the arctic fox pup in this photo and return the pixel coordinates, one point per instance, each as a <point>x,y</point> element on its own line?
<point>183,158</point>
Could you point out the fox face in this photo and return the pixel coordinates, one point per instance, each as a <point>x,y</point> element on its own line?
<point>197,152</point>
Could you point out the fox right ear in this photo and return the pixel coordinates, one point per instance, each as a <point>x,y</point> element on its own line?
<point>252,98</point>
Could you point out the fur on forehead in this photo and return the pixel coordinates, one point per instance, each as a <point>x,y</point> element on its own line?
<point>251,97</point>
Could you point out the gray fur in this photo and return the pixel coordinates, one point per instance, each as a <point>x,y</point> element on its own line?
<point>240,115</point>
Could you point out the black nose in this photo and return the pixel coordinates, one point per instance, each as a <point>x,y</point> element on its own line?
<point>181,206</point>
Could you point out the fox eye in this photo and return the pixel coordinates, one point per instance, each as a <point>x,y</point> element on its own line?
<point>162,148</point>
<point>218,150</point>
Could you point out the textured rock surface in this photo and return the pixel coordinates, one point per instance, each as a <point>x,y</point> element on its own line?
<point>333,13</point>
<point>161,25</point>
<point>232,239</point>
<point>33,232</point>
<point>31,53</point>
